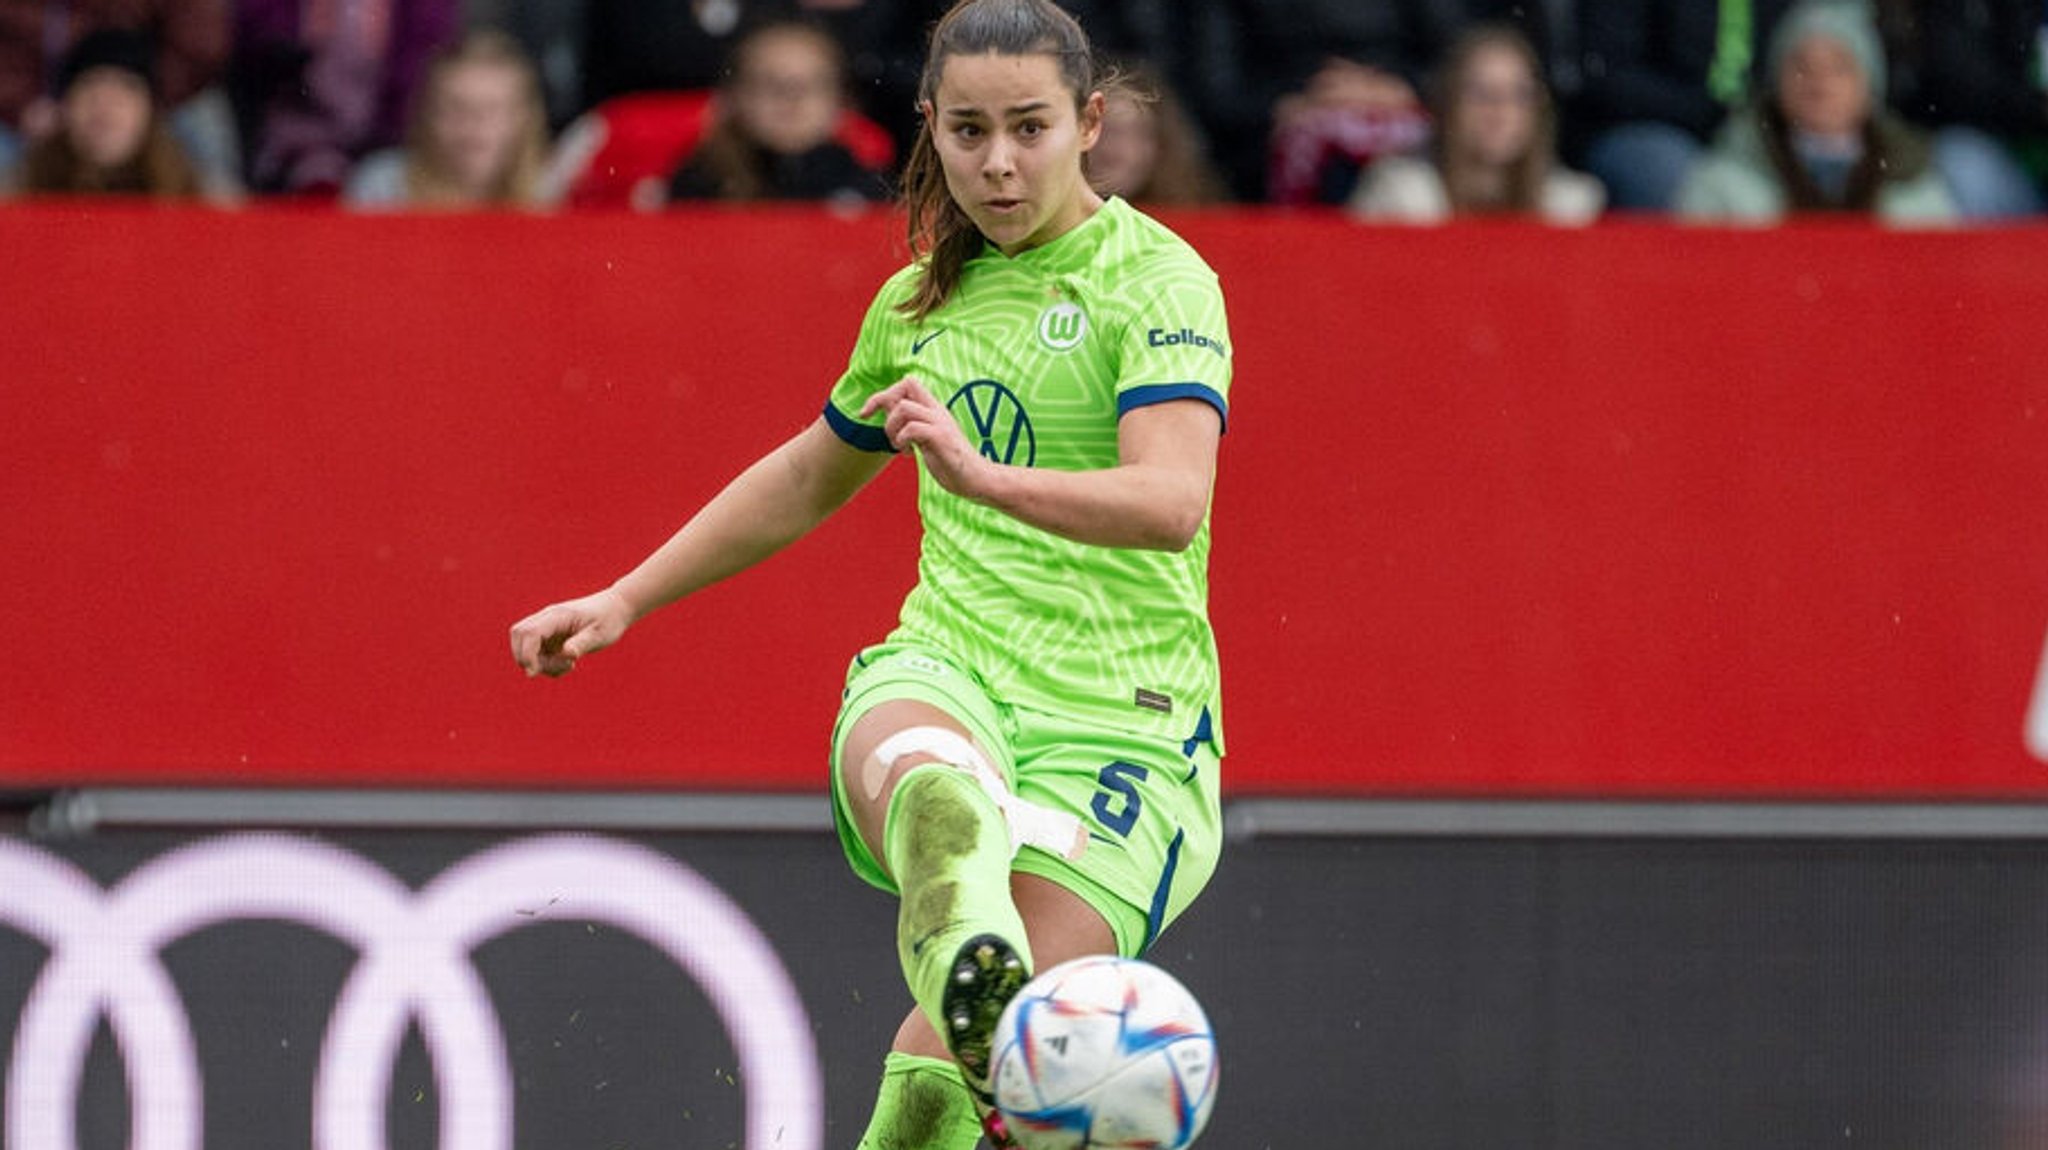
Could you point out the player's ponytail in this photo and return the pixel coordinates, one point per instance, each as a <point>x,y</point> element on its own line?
<point>941,235</point>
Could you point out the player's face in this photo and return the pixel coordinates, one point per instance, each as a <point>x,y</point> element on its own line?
<point>1010,139</point>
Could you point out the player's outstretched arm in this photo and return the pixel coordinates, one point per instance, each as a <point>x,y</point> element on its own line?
<point>770,505</point>
<point>1155,498</point>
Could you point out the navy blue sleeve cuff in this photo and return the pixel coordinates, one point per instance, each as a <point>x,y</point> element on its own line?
<point>859,436</point>
<point>1152,393</point>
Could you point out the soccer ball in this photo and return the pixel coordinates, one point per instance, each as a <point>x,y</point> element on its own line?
<point>1104,1053</point>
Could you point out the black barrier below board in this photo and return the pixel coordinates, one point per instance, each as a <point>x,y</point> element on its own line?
<point>1408,992</point>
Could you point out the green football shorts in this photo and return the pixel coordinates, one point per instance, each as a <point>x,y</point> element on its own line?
<point>1152,807</point>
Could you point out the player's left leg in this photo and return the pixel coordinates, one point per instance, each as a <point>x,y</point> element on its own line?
<point>923,1104</point>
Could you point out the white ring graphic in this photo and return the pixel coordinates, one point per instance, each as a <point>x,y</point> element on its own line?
<point>2037,712</point>
<point>414,965</point>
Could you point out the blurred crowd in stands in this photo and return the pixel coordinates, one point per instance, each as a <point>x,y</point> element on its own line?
<point>1911,111</point>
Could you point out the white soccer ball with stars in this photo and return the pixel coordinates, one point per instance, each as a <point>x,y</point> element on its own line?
<point>1104,1053</point>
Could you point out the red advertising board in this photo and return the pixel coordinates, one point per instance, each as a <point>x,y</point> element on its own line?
<point>1636,510</point>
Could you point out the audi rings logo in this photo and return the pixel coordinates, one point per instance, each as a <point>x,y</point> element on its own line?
<point>413,968</point>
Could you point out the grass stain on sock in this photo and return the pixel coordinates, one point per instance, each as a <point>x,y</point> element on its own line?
<point>941,829</point>
<point>943,826</point>
<point>924,1105</point>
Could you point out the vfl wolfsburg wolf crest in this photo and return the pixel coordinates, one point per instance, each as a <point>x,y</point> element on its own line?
<point>1062,326</point>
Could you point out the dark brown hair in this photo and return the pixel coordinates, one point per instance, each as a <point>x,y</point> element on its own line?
<point>941,235</point>
<point>1532,171</point>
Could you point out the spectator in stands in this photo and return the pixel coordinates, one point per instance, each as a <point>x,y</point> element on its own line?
<point>1820,140</point>
<point>1150,151</point>
<point>772,133</point>
<point>1495,149</point>
<point>477,137</point>
<point>1982,84</point>
<point>1297,94</point>
<point>189,41</point>
<point>1658,77</point>
<point>318,84</point>
<point>110,137</point>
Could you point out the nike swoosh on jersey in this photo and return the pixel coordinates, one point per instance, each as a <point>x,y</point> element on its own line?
<point>917,345</point>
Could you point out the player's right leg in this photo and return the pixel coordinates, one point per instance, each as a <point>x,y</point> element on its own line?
<point>927,817</point>
<point>921,790</point>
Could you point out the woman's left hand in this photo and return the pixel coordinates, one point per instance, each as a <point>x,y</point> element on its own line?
<point>916,420</point>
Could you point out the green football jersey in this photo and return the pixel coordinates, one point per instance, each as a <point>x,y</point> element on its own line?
<point>1037,356</point>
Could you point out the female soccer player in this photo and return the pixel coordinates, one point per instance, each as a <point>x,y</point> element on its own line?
<point>1030,759</point>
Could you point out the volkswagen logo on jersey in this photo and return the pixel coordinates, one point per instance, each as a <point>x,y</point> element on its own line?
<point>994,416</point>
<point>1062,326</point>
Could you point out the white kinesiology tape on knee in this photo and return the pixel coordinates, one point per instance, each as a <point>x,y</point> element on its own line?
<point>1029,823</point>
<point>939,743</point>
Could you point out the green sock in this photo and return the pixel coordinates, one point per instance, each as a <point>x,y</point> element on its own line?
<point>949,848</point>
<point>922,1105</point>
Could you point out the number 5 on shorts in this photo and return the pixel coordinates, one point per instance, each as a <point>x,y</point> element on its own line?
<point>1119,778</point>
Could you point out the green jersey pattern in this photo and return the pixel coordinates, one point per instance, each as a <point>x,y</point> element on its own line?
<point>1038,356</point>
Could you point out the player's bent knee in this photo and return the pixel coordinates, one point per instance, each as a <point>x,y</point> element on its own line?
<point>886,736</point>
<point>915,746</point>
<point>889,742</point>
